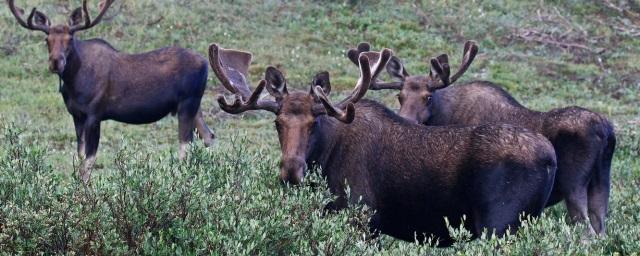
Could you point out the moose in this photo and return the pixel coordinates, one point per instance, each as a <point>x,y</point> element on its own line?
<point>412,175</point>
<point>584,141</point>
<point>101,83</point>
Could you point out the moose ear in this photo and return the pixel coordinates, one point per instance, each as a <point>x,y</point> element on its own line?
<point>395,68</point>
<point>40,19</point>
<point>76,17</point>
<point>322,79</point>
<point>276,83</point>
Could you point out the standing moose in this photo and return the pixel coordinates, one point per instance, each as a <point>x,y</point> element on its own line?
<point>584,141</point>
<point>412,175</point>
<point>101,83</point>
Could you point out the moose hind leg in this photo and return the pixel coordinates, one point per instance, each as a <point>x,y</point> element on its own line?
<point>187,111</point>
<point>203,130</point>
<point>598,205</point>
<point>92,139</point>
<point>598,191</point>
<point>576,202</point>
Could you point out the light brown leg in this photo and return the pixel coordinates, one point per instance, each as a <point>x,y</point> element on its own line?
<point>182,151</point>
<point>85,169</point>
<point>203,130</point>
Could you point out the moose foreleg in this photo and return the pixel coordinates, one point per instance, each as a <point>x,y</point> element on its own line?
<point>92,139</point>
<point>203,130</point>
<point>78,123</point>
<point>186,125</point>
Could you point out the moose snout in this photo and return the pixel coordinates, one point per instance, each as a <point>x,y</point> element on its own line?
<point>409,116</point>
<point>292,170</point>
<point>56,64</point>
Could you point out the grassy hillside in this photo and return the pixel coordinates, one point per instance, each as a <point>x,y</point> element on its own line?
<point>226,198</point>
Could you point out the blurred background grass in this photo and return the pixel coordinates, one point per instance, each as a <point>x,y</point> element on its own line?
<point>546,53</point>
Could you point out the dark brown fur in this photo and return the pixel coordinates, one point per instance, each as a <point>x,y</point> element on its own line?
<point>415,175</point>
<point>584,141</point>
<point>412,175</point>
<point>101,83</point>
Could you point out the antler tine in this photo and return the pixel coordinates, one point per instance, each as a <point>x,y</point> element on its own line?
<point>353,54</point>
<point>17,14</point>
<point>346,117</point>
<point>26,24</point>
<point>470,51</point>
<point>441,66</point>
<point>363,82</point>
<point>253,103</point>
<point>367,78</point>
<point>88,23</point>
<point>385,56</point>
<point>85,11</point>
<point>35,26</point>
<point>214,61</point>
<point>231,67</point>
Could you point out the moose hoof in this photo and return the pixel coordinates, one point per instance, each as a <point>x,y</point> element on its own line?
<point>85,176</point>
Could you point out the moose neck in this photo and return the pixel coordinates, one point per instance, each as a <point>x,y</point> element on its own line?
<point>322,141</point>
<point>73,65</point>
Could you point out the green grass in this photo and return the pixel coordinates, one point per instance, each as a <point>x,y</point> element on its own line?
<point>226,198</point>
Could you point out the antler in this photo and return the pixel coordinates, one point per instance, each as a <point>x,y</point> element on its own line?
<point>253,103</point>
<point>365,48</point>
<point>441,67</point>
<point>231,68</point>
<point>360,90</point>
<point>88,23</point>
<point>346,117</point>
<point>366,77</point>
<point>354,54</point>
<point>17,13</point>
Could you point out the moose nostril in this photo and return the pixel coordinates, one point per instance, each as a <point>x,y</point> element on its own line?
<point>56,65</point>
<point>292,171</point>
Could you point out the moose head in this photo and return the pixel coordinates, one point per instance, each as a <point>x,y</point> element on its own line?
<point>297,112</point>
<point>416,90</point>
<point>59,37</point>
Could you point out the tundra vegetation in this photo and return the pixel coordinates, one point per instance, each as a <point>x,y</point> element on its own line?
<point>227,198</point>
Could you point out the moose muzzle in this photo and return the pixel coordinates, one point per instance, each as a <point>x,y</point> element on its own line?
<point>292,170</point>
<point>57,64</point>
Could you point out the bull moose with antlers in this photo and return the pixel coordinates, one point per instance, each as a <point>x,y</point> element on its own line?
<point>584,141</point>
<point>101,83</point>
<point>412,175</point>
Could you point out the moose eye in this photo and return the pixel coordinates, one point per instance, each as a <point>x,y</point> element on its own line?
<point>428,100</point>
